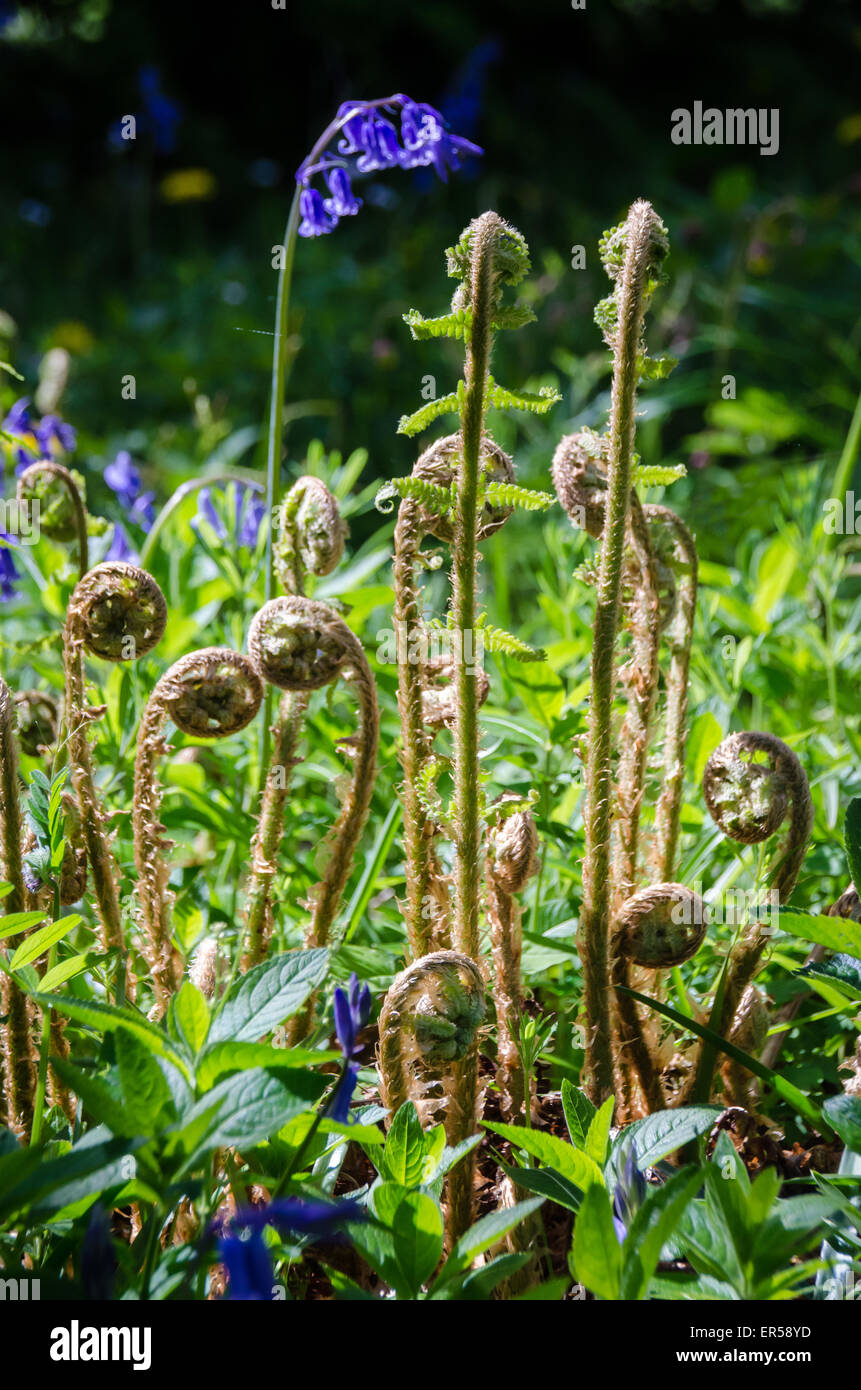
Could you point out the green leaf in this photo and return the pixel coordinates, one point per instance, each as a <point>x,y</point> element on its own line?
<point>658,475</point>
<point>791,1094</point>
<point>243,1110</point>
<point>91,1167</point>
<point>190,1015</point>
<point>663,1133</point>
<point>106,1018</point>
<point>425,416</point>
<point>842,972</point>
<point>417,1230</point>
<point>484,1233</point>
<point>598,1135</point>
<point>510,495</point>
<point>221,1058</point>
<point>573,1164</point>
<point>546,1182</point>
<point>579,1113</point>
<point>15,922</point>
<point>454,325</point>
<point>500,398</point>
<point>836,933</point>
<point>844,1113</point>
<point>852,838</point>
<point>403,1158</point>
<point>146,1094</point>
<point>65,970</point>
<point>268,994</point>
<point>651,1228</point>
<point>596,1252</point>
<point>100,1098</point>
<point>41,941</point>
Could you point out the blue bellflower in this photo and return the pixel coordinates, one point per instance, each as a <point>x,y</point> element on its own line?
<point>249,510</point>
<point>249,1267</point>
<point>124,480</point>
<point>50,429</point>
<point>8,571</point>
<point>121,547</point>
<point>352,1011</point>
<point>375,142</point>
<point>628,1197</point>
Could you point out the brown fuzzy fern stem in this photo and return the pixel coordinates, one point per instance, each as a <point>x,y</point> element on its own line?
<point>483,292</point>
<point>209,694</point>
<point>116,612</point>
<point>641,231</point>
<point>301,645</point>
<point>311,534</point>
<point>60,519</point>
<point>511,861</point>
<point>674,543</point>
<point>19,1060</point>
<point>428,1054</point>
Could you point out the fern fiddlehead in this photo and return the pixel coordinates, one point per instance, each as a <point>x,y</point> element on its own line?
<point>117,612</point>
<point>428,1053</point>
<point>208,694</point>
<point>62,515</point>
<point>512,846</point>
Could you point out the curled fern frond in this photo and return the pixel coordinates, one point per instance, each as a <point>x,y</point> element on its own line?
<point>535,404</point>
<point>440,465</point>
<point>425,416</point>
<point>436,498</point>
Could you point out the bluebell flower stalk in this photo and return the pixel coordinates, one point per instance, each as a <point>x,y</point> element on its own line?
<point>428,1053</point>
<point>19,1059</point>
<point>367,134</point>
<point>209,694</point>
<point>118,613</point>
<point>632,261</point>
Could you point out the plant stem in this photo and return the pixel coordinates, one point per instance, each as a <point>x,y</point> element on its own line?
<point>45,1043</point>
<point>595,919</point>
<point>466,773</point>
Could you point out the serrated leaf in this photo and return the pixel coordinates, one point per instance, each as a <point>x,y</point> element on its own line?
<point>454,325</point>
<point>403,1158</point>
<point>658,475</point>
<point>425,416</point>
<point>835,933</point>
<point>500,398</point>
<point>219,1059</point>
<point>659,1135</point>
<point>146,1094</point>
<point>41,941</point>
<point>555,1153</point>
<point>579,1113</point>
<point>106,1018</point>
<point>268,994</point>
<point>190,1015</point>
<point>243,1110</point>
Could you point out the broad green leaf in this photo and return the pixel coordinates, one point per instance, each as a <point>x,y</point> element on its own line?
<point>663,1133</point>
<point>844,1113</point>
<point>547,1183</point>
<point>836,933</point>
<point>267,995</point>
<point>417,1230</point>
<point>219,1059</point>
<point>106,1018</point>
<point>15,922</point>
<point>244,1110</point>
<point>41,941</point>
<point>146,1094</point>
<point>579,1113</point>
<point>97,1162</point>
<point>841,973</point>
<point>403,1158</point>
<point>571,1163</point>
<point>598,1136</point>
<point>484,1233</point>
<point>651,1228</point>
<point>190,1014</point>
<point>596,1252</point>
<point>65,970</point>
<point>100,1099</point>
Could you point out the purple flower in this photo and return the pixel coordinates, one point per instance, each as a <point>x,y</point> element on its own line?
<point>163,114</point>
<point>18,419</point>
<point>343,202</point>
<point>249,1267</point>
<point>338,1105</point>
<point>51,428</point>
<point>23,458</point>
<point>366,133</point>
<point>631,1189</point>
<point>123,478</point>
<point>9,574</point>
<point>316,221</point>
<point>299,1217</point>
<point>249,511</point>
<point>206,512</point>
<point>120,547</point>
<point>352,1011</point>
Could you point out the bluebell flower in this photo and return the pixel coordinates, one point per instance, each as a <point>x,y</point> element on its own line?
<point>631,1189</point>
<point>249,1267</point>
<point>123,478</point>
<point>249,510</point>
<point>352,1011</point>
<point>343,202</point>
<point>299,1217</point>
<point>365,133</point>
<point>142,511</point>
<point>316,221</point>
<point>206,512</point>
<point>8,571</point>
<point>120,547</point>
<point>338,1105</point>
<point>163,115</point>
<point>51,428</point>
<point>18,419</point>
